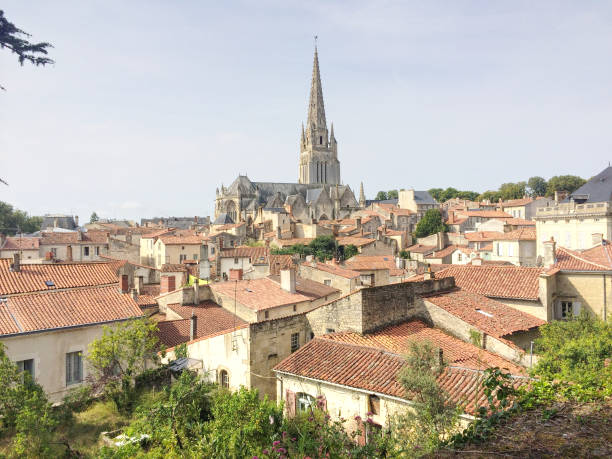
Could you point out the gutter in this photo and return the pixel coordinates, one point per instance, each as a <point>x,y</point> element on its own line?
<point>69,327</point>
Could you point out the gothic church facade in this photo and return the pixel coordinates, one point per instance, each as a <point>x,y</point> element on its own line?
<point>318,194</point>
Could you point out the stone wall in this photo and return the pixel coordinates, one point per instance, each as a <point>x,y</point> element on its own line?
<point>270,342</point>
<point>123,250</point>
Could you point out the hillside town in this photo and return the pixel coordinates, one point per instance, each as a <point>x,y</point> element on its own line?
<point>311,293</point>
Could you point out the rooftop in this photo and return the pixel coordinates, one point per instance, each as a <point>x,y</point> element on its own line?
<point>335,269</point>
<point>66,308</point>
<point>21,243</point>
<point>52,276</point>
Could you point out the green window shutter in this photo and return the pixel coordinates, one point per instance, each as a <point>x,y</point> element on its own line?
<point>68,369</point>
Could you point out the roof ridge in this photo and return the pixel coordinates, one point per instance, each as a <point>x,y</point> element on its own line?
<point>578,257</point>
<point>362,346</point>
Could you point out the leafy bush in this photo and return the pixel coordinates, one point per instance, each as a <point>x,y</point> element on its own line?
<point>431,223</point>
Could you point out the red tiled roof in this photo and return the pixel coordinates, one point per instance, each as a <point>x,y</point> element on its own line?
<point>520,222</point>
<point>372,262</point>
<point>600,254</point>
<point>337,270</point>
<point>156,233</point>
<point>419,248</point>
<point>484,213</point>
<point>376,369</point>
<point>294,241</point>
<point>483,236</point>
<point>21,243</point>
<point>212,320</point>
<point>517,202</point>
<point>258,255</point>
<point>89,237</point>
<point>496,281</point>
<point>259,294</point>
<point>498,319</point>
<point>173,268</point>
<point>570,260</point>
<point>32,277</point>
<point>397,339</point>
<point>186,239</point>
<point>68,308</point>
<point>354,240</point>
<point>521,234</point>
<point>279,262</point>
<point>445,252</point>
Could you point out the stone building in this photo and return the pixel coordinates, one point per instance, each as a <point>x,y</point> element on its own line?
<point>319,193</point>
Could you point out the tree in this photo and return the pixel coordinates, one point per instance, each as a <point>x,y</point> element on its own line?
<point>492,196</point>
<point>512,190</point>
<point>436,193</point>
<point>434,415</point>
<point>94,217</point>
<point>469,195</point>
<point>431,223</point>
<point>16,41</point>
<point>13,220</point>
<point>381,196</point>
<point>536,186</point>
<point>392,194</point>
<point>349,251</point>
<point>120,355</point>
<point>569,183</point>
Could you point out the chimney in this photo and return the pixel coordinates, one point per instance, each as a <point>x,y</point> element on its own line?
<point>76,220</point>
<point>16,263</point>
<point>428,275</point>
<point>278,232</point>
<point>597,238</point>
<point>287,278</point>
<point>167,284</point>
<point>440,357</point>
<point>69,253</point>
<point>236,274</point>
<point>140,284</point>
<point>358,224</point>
<point>550,248</point>
<point>79,235</point>
<point>124,283</point>
<point>134,293</point>
<point>440,240</point>
<point>193,327</point>
<point>55,221</point>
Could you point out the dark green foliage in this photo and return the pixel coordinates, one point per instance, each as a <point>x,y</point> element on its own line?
<point>431,223</point>
<point>322,247</point>
<point>492,196</point>
<point>16,41</point>
<point>94,217</point>
<point>442,195</point>
<point>512,190</point>
<point>576,350</point>
<point>12,220</point>
<point>350,251</point>
<point>381,196</point>
<point>536,186</point>
<point>404,254</point>
<point>569,183</point>
<point>392,194</point>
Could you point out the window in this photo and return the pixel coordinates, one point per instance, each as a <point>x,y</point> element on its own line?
<point>510,249</point>
<point>235,261</point>
<point>224,379</point>
<point>459,256</point>
<point>320,140</point>
<point>97,250</point>
<point>182,257</point>
<point>304,401</point>
<point>295,341</point>
<point>330,330</point>
<point>54,252</point>
<point>327,281</point>
<point>267,314</point>
<point>212,250</point>
<point>195,256</point>
<point>294,307</point>
<point>86,251</point>
<point>374,404</point>
<point>500,252</point>
<point>26,365</point>
<point>74,368</point>
<point>569,308</point>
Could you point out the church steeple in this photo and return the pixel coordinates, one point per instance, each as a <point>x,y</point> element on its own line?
<point>362,199</point>
<point>318,150</point>
<point>316,109</point>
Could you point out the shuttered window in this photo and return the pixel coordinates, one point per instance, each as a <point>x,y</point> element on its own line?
<point>74,368</point>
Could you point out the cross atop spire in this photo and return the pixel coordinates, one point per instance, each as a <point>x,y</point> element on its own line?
<point>316,109</point>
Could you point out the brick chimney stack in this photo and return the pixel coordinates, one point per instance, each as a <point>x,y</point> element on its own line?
<point>134,293</point>
<point>16,267</point>
<point>193,327</point>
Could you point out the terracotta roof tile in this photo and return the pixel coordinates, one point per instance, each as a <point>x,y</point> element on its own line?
<point>21,243</point>
<point>520,222</point>
<point>496,281</point>
<point>337,270</point>
<point>419,248</point>
<point>279,262</point>
<point>89,237</point>
<point>372,262</point>
<point>521,234</point>
<point>369,366</point>
<point>483,213</point>
<point>483,236</point>
<point>354,240</point>
<point>173,268</point>
<point>32,277</point>
<point>445,251</point>
<point>589,260</point>
<point>490,316</point>
<point>258,255</point>
<point>259,294</point>
<point>600,254</point>
<point>517,202</point>
<point>69,308</point>
<point>212,320</point>
<point>294,241</point>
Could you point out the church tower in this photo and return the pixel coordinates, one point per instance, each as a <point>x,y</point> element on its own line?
<point>318,148</point>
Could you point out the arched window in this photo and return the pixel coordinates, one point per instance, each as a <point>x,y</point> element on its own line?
<point>305,401</point>
<point>224,379</point>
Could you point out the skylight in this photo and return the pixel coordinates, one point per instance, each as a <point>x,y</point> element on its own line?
<point>49,283</point>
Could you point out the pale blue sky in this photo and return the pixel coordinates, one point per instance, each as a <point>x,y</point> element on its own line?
<point>153,104</point>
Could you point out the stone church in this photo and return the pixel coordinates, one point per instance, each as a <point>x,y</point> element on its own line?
<point>319,193</point>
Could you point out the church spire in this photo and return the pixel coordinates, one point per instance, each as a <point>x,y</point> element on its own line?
<point>362,199</point>
<point>316,109</point>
